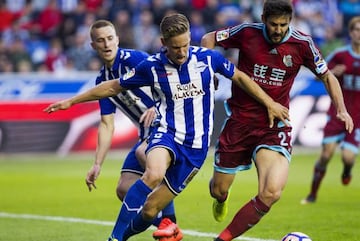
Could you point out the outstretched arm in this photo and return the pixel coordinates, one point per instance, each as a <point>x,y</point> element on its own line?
<point>105,134</point>
<point>105,89</point>
<point>333,88</point>
<point>275,110</point>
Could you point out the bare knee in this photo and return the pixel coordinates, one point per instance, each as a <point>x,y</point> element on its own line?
<point>152,178</point>
<point>120,192</point>
<point>269,197</point>
<point>218,189</point>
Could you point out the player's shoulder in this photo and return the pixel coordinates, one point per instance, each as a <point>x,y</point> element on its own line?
<point>131,53</point>
<point>242,28</point>
<point>299,36</point>
<point>202,51</point>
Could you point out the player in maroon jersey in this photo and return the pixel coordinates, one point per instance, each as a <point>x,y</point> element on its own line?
<point>344,62</point>
<point>271,53</point>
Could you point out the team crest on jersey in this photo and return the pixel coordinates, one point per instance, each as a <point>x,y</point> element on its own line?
<point>222,35</point>
<point>287,60</point>
<point>129,74</point>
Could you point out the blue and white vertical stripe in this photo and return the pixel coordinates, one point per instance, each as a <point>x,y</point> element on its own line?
<point>185,93</point>
<point>132,103</point>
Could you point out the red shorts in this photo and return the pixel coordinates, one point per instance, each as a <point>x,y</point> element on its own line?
<point>238,143</point>
<point>334,131</point>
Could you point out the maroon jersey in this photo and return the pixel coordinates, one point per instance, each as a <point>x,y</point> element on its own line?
<point>349,81</point>
<point>273,66</point>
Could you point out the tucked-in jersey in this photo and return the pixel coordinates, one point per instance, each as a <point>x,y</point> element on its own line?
<point>273,66</point>
<point>132,103</point>
<point>349,81</point>
<point>185,93</point>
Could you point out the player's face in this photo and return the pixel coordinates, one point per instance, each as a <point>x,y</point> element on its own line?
<point>178,48</point>
<point>105,42</point>
<point>277,27</point>
<point>355,34</point>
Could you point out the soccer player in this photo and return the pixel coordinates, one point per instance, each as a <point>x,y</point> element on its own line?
<point>344,62</point>
<point>271,53</point>
<point>182,76</point>
<point>137,104</point>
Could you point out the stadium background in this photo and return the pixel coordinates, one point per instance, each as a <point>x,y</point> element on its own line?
<point>45,56</point>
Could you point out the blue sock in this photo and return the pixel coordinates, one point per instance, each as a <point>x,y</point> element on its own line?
<point>169,212</point>
<point>136,225</point>
<point>133,202</point>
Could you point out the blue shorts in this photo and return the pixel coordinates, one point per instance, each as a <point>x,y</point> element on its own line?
<point>131,163</point>
<point>186,161</point>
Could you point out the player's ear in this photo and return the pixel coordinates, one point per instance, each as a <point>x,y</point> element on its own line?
<point>163,42</point>
<point>93,45</point>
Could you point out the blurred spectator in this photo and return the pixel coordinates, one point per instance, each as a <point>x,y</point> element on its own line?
<point>37,22</point>
<point>79,54</point>
<point>55,60</point>
<point>301,24</point>
<point>158,10</point>
<point>146,33</point>
<point>18,53</point>
<point>124,28</point>
<point>49,20</point>
<point>24,66</point>
<point>6,16</point>
<point>182,6</point>
<point>197,27</point>
<point>209,13</point>
<point>15,32</point>
<point>349,9</point>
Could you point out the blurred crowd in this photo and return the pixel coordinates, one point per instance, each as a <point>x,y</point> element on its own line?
<point>53,35</point>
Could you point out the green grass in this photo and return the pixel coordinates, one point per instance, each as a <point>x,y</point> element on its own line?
<point>52,186</point>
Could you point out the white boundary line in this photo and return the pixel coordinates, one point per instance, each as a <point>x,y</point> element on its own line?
<point>108,223</point>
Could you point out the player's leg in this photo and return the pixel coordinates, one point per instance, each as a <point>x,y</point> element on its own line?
<point>219,188</point>
<point>319,171</point>
<point>272,168</point>
<point>348,155</point>
<point>137,193</point>
<point>169,210</point>
<point>229,158</point>
<point>126,180</point>
<point>159,198</point>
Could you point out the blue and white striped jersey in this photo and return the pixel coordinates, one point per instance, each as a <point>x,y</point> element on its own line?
<point>132,103</point>
<point>185,94</point>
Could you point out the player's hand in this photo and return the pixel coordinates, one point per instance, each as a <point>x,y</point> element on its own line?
<point>60,105</point>
<point>338,69</point>
<point>345,117</point>
<point>91,176</point>
<point>148,117</point>
<point>280,112</point>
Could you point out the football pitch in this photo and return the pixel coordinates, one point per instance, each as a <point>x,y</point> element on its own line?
<point>44,198</point>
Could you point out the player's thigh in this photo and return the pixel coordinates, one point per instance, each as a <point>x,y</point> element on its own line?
<point>273,169</point>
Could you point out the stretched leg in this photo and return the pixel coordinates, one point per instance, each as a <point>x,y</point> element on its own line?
<point>272,168</point>
<point>169,210</point>
<point>320,171</point>
<point>156,201</point>
<point>157,162</point>
<point>348,159</point>
<point>219,189</point>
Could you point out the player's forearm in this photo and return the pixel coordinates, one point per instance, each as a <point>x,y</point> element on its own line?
<point>105,133</point>
<point>208,40</point>
<point>253,89</point>
<point>334,90</point>
<point>103,90</point>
